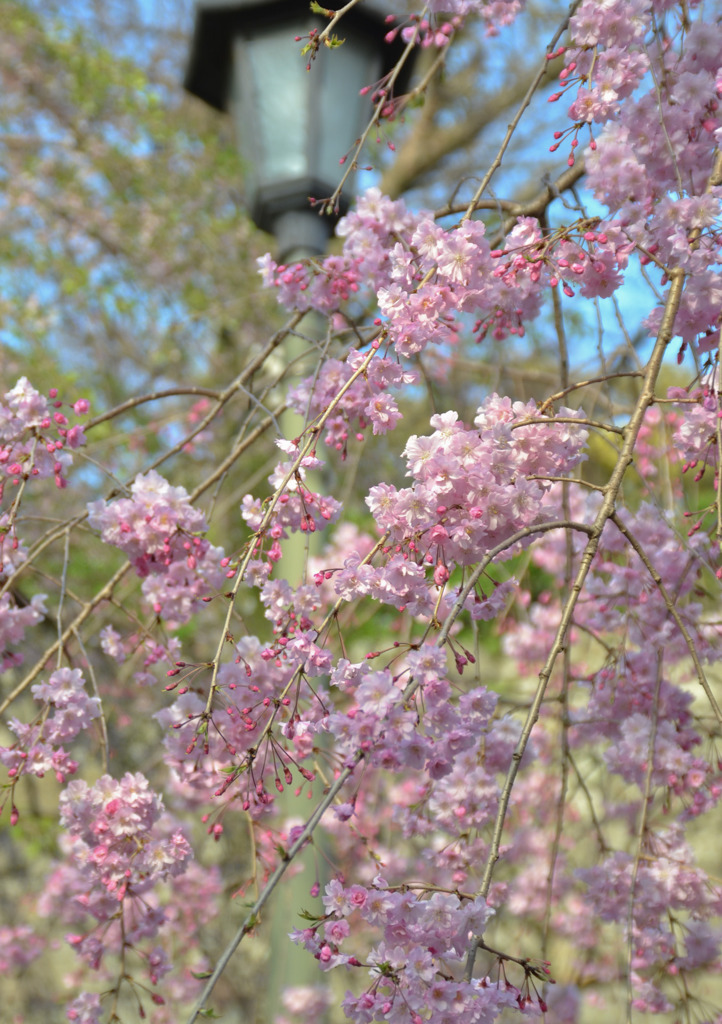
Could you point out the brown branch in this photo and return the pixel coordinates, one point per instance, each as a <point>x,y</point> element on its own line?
<point>537,203</point>
<point>429,144</point>
<point>514,123</point>
<point>152,396</point>
<point>585,383</point>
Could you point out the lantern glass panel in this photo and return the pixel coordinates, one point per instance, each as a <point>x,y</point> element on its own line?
<point>343,111</point>
<point>272,103</point>
<point>295,124</point>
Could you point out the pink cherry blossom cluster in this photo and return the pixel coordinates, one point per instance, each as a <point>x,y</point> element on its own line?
<point>651,164</point>
<point>67,710</point>
<point>589,259</point>
<point>415,968</point>
<point>254,742</point>
<point>19,946</point>
<point>15,617</point>
<point>696,437</point>
<point>176,594</point>
<point>473,488</point>
<point>158,529</point>
<point>119,845</point>
<point>673,902</point>
<point>467,745</point>
<point>172,923</point>
<point>14,620</point>
<point>154,527</point>
<point>124,849</point>
<point>394,733</point>
<point>297,510</point>
<point>607,56</point>
<point>33,437</point>
<point>640,704</point>
<point>366,402</point>
<point>423,283</point>
<point>587,781</point>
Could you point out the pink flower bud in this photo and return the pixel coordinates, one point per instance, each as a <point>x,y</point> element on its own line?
<point>441,575</point>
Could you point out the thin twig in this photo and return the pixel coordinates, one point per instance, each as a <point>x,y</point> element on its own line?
<point>585,384</point>
<point>252,917</point>
<point>496,162</point>
<point>105,746</point>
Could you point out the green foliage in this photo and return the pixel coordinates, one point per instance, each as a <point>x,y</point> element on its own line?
<point>123,236</point>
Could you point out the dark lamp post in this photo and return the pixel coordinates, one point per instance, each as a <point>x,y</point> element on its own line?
<point>293,125</point>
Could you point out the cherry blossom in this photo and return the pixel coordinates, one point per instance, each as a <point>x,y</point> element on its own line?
<point>491,686</point>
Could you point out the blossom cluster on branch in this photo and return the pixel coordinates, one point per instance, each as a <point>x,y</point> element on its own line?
<point>474,817</point>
